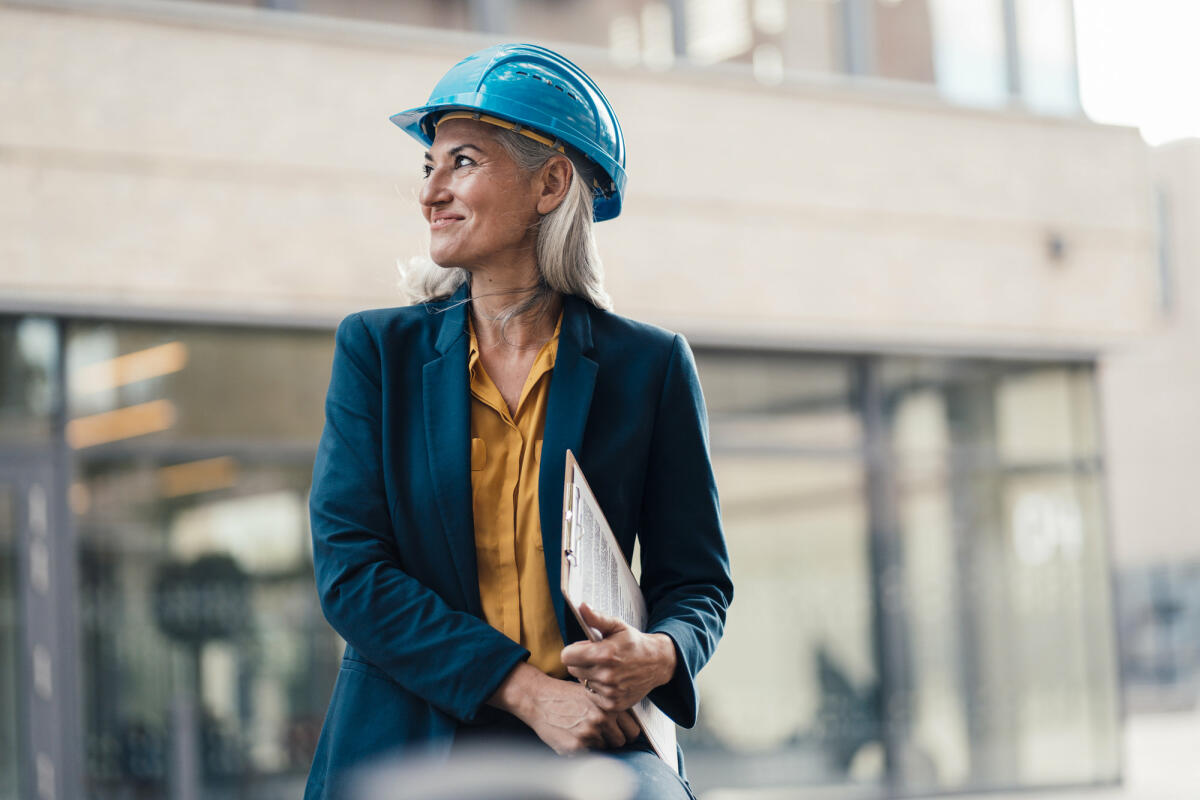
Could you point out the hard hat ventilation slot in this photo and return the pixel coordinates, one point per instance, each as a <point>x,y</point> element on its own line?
<point>548,82</point>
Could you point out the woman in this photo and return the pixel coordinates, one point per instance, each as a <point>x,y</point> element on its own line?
<point>437,486</point>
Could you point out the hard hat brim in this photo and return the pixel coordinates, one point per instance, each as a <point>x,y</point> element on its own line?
<point>410,121</point>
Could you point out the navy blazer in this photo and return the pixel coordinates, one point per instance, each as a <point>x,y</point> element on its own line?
<point>393,536</point>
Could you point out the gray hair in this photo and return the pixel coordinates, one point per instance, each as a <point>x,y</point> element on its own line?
<point>568,260</point>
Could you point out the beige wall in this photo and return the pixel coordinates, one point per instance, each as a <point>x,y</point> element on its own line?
<point>1152,393</point>
<point>215,158</point>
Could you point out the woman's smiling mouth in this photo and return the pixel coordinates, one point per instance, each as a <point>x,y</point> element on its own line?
<point>442,220</point>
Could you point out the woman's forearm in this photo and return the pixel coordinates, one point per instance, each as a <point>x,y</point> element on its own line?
<point>514,693</point>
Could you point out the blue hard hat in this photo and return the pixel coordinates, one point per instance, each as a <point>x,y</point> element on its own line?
<point>537,88</point>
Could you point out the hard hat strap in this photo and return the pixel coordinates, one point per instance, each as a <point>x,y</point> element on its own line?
<point>553,144</point>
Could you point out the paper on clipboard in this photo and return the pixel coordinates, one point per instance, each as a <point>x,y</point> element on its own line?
<point>594,572</point>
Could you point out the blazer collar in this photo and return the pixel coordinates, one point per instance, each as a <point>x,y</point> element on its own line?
<point>577,324</point>
<point>454,319</point>
<point>446,398</point>
<point>566,419</point>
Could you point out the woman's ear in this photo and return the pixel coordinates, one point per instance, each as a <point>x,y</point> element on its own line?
<point>554,179</point>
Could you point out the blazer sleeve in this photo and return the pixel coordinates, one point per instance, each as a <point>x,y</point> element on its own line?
<point>451,659</point>
<point>685,563</point>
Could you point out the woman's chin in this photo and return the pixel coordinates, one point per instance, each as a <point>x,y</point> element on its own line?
<point>444,258</point>
<point>455,259</point>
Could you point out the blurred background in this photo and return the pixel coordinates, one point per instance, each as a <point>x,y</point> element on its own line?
<point>945,315</point>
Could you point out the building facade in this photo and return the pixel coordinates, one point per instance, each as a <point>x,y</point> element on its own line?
<point>901,254</point>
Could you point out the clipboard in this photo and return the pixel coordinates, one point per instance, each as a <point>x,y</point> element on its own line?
<point>594,572</point>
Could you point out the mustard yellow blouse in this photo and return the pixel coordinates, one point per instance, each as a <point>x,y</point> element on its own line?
<point>506,452</point>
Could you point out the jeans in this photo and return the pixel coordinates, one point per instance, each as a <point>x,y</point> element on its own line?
<point>655,779</point>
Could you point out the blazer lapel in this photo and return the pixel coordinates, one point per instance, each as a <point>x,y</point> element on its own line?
<point>447,397</point>
<point>571,387</point>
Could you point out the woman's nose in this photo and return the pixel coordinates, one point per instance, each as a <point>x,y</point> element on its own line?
<point>434,190</point>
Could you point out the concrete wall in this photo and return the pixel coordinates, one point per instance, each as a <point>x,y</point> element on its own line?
<point>172,156</point>
<point>1152,392</point>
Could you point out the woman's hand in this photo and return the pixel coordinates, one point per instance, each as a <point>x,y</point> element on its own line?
<point>624,666</point>
<point>562,713</point>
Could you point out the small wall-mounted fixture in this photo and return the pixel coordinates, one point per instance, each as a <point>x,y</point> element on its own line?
<point>1056,247</point>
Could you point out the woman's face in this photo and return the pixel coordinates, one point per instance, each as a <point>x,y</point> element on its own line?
<point>480,206</point>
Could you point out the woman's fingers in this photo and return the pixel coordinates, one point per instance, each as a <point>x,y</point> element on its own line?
<point>624,667</point>
<point>582,654</point>
<point>599,728</point>
<point>606,696</point>
<point>605,702</point>
<point>565,716</point>
<point>611,730</point>
<point>629,725</point>
<point>606,626</point>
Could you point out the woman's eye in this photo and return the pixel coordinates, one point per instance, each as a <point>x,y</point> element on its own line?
<point>459,161</point>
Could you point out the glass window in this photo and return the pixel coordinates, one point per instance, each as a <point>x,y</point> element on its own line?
<point>918,550</point>
<point>1012,680</point>
<point>767,36</point>
<point>791,697</point>
<point>957,45</point>
<point>814,37</point>
<point>801,35</point>
<point>205,659</point>
<point>718,31</point>
<point>147,385</point>
<point>968,51</point>
<point>28,363</point>
<point>1159,608</point>
<point>903,40</point>
<point>1046,38</point>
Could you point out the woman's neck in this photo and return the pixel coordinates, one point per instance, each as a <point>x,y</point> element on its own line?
<point>492,295</point>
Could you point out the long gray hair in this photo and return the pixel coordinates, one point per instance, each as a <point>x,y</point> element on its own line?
<point>568,260</point>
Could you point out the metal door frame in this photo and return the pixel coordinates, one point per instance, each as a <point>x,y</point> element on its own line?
<point>47,707</point>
